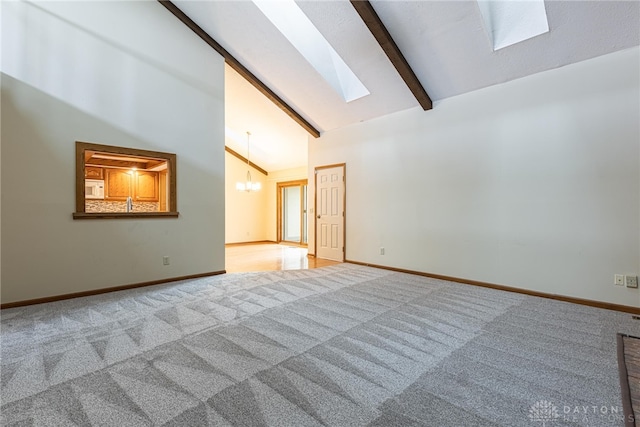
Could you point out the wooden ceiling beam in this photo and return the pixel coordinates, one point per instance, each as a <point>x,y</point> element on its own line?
<point>244,160</point>
<point>380,33</point>
<point>239,68</point>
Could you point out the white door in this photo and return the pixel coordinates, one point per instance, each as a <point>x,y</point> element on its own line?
<point>330,192</point>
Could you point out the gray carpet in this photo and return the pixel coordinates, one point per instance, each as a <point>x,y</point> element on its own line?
<point>338,346</point>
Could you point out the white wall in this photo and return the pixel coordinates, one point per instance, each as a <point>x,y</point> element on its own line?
<point>116,73</point>
<point>246,219</point>
<point>532,184</point>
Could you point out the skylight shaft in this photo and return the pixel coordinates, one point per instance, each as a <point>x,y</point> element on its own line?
<point>512,21</point>
<point>291,21</point>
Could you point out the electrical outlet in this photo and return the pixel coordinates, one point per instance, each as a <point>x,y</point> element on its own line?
<point>631,281</point>
<point>381,251</point>
<point>165,260</point>
<point>618,279</point>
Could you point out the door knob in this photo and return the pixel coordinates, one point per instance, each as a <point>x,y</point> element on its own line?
<point>318,216</point>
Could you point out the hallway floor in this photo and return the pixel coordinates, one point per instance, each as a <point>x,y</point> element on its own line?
<point>269,257</point>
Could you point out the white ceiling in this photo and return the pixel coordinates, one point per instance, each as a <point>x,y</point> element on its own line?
<point>444,42</point>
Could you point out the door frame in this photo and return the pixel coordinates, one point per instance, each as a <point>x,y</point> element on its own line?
<point>344,207</point>
<point>279,187</point>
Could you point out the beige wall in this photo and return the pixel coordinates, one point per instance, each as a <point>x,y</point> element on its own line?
<point>245,213</point>
<point>251,217</point>
<point>533,184</point>
<point>90,72</point>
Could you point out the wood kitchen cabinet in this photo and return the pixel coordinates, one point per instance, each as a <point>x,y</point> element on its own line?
<point>92,172</point>
<point>141,185</point>
<point>118,184</point>
<point>146,189</point>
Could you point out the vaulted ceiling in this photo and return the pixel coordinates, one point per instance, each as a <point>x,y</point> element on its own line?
<point>444,42</point>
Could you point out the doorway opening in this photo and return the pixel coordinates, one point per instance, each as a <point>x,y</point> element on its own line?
<point>292,212</point>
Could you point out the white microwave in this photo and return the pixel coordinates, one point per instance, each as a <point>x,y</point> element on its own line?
<point>94,189</point>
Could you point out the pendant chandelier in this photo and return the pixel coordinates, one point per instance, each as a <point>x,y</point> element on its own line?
<point>248,185</point>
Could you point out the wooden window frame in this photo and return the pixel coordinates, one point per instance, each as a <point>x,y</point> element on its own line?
<point>81,213</point>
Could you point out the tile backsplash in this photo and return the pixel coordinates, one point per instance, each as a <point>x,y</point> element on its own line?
<point>96,206</point>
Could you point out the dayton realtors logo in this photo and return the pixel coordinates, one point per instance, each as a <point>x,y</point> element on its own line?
<point>543,412</point>
<point>546,413</point>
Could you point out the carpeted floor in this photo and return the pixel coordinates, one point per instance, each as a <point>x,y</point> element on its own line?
<point>344,345</point>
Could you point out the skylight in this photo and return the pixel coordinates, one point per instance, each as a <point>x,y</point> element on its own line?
<point>291,21</point>
<point>511,21</point>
